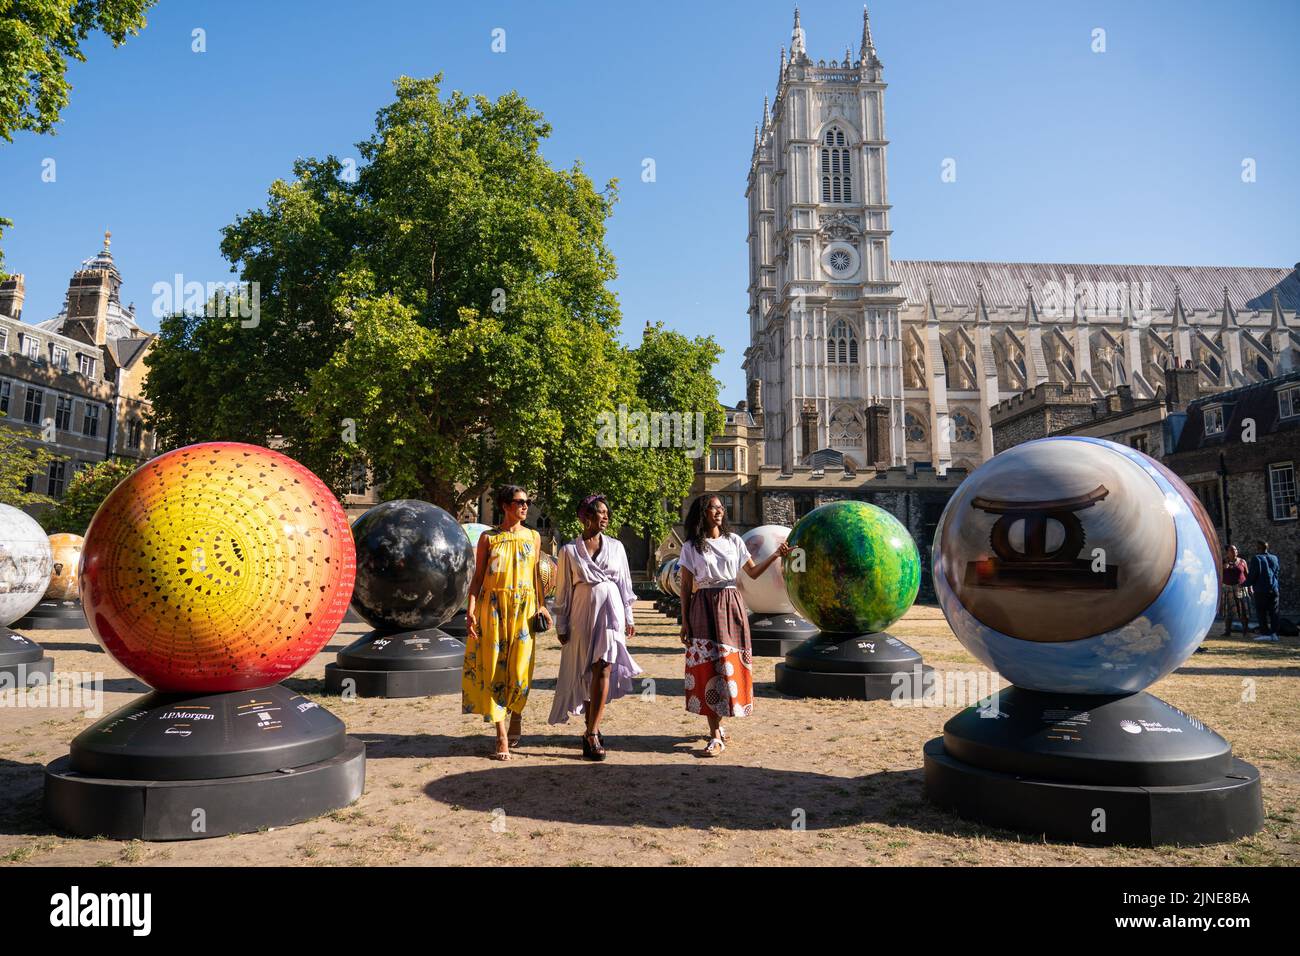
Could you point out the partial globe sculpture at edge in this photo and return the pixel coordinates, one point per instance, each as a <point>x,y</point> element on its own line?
<point>1077,565</point>
<point>25,563</point>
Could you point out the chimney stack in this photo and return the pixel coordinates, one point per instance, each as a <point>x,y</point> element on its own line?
<point>12,293</point>
<point>1182,385</point>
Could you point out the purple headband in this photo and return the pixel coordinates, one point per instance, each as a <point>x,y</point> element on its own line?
<point>587,507</point>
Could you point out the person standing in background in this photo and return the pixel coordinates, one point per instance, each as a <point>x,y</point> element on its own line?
<point>1262,579</point>
<point>1235,593</point>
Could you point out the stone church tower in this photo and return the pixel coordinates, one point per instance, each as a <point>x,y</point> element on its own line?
<point>860,358</point>
<point>824,365</point>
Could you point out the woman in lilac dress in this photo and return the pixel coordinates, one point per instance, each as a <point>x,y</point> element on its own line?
<point>593,617</point>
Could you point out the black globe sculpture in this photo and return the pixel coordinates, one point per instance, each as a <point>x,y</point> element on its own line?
<point>413,571</point>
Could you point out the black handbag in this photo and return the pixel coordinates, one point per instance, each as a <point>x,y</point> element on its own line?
<point>538,624</point>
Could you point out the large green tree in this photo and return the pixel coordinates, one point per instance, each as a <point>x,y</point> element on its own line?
<point>18,462</point>
<point>37,39</point>
<point>440,314</point>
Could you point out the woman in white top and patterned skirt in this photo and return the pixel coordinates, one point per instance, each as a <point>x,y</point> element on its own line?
<point>715,621</point>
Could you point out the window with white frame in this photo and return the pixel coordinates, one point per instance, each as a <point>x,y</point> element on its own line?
<point>59,357</point>
<point>1213,420</point>
<point>4,340</point>
<point>1281,491</point>
<point>1288,401</point>
<point>32,348</point>
<point>86,366</point>
<point>90,421</point>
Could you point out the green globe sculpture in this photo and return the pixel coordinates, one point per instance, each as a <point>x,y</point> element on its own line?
<point>853,568</point>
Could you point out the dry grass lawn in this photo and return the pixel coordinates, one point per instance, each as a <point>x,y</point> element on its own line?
<point>852,768</point>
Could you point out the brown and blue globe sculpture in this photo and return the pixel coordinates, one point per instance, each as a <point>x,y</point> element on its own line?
<point>1077,565</point>
<point>1083,571</point>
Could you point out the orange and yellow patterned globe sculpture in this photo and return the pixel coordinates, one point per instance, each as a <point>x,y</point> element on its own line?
<point>217,567</point>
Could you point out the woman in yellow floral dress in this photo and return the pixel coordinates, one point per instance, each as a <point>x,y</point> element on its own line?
<point>503,598</point>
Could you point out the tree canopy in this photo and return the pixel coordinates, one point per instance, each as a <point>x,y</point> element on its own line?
<point>37,39</point>
<point>440,315</point>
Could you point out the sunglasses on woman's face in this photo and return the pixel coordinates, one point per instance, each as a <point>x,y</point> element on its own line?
<point>521,502</point>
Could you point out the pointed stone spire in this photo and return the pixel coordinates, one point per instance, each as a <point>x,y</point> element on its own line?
<point>1279,323</point>
<point>767,113</point>
<point>981,307</point>
<point>868,50</point>
<point>756,139</point>
<point>1180,314</point>
<point>931,313</point>
<point>1031,307</point>
<point>1229,318</point>
<point>798,50</point>
<point>781,75</point>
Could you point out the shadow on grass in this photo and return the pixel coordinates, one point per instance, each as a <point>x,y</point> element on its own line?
<point>698,794</point>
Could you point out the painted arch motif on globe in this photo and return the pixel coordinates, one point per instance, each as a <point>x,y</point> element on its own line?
<point>1077,565</point>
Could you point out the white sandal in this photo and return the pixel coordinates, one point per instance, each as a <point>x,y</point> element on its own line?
<point>715,747</point>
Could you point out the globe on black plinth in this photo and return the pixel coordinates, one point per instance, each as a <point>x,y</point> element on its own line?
<point>414,564</point>
<point>60,608</point>
<point>190,586</point>
<point>26,564</point>
<point>775,627</point>
<point>1083,571</point>
<point>853,570</point>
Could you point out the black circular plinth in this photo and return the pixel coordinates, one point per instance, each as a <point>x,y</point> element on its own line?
<point>13,676</point>
<point>370,683</point>
<point>118,809</point>
<point>54,616</point>
<point>875,666</point>
<point>776,635</point>
<point>404,664</point>
<point>454,627</point>
<point>200,737</point>
<point>427,649</point>
<point>1127,770</point>
<point>352,617</point>
<point>17,649</point>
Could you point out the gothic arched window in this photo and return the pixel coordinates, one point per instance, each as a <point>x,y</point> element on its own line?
<point>837,167</point>
<point>842,344</point>
<point>846,431</point>
<point>963,429</point>
<point>913,428</point>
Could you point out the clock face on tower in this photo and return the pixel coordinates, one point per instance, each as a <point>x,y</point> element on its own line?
<point>840,260</point>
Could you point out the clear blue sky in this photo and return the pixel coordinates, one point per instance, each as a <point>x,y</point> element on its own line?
<point>1132,155</point>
